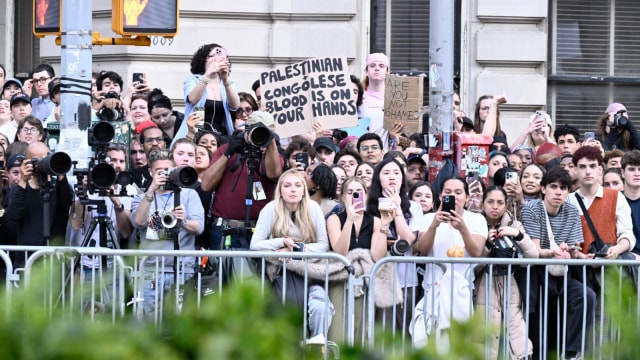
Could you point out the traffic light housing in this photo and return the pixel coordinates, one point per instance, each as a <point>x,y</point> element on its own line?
<point>145,17</point>
<point>47,15</point>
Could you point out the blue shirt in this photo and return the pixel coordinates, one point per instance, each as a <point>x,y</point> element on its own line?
<point>42,107</point>
<point>635,219</point>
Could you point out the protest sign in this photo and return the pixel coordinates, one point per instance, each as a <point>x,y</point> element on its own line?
<point>300,94</point>
<point>402,99</point>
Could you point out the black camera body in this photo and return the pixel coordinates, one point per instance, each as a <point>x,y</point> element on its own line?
<point>400,247</point>
<point>111,114</point>
<point>619,120</point>
<point>180,177</point>
<point>339,134</point>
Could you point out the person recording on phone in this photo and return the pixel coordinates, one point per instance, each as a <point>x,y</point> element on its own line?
<point>209,86</point>
<point>617,129</point>
<point>539,131</point>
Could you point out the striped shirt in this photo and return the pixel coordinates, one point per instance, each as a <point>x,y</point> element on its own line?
<point>565,225</point>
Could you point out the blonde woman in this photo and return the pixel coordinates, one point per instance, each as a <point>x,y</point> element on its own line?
<point>293,222</point>
<point>539,131</point>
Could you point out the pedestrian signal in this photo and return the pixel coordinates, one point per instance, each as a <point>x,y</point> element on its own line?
<point>46,17</point>
<point>145,17</point>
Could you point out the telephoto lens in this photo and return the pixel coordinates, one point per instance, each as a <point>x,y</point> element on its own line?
<point>400,247</point>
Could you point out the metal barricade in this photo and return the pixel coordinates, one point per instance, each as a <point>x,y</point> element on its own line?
<point>566,315</point>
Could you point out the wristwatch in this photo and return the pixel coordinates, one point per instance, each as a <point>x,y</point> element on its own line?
<point>119,208</point>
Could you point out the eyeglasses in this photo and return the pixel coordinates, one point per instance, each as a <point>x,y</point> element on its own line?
<point>42,80</point>
<point>247,111</point>
<point>485,108</point>
<point>456,103</point>
<point>417,168</point>
<point>372,147</point>
<point>152,140</point>
<point>32,130</point>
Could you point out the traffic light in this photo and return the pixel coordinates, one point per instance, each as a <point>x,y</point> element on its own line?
<point>145,17</point>
<point>46,17</point>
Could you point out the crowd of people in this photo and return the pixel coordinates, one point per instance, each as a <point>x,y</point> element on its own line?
<point>550,193</point>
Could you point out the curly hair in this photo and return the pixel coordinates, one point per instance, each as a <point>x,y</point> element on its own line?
<point>587,152</point>
<point>625,134</point>
<point>199,58</point>
<point>325,180</point>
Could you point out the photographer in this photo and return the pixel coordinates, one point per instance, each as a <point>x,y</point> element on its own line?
<point>109,85</point>
<point>228,176</point>
<point>150,212</point>
<point>118,208</point>
<point>26,202</point>
<point>617,130</point>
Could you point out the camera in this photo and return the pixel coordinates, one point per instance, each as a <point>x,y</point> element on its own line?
<point>184,176</point>
<point>58,163</point>
<point>101,133</point>
<point>111,114</point>
<point>339,134</point>
<point>619,120</point>
<point>257,135</point>
<point>400,247</point>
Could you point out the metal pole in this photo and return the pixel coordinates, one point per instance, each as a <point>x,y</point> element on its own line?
<point>441,43</point>
<point>75,92</point>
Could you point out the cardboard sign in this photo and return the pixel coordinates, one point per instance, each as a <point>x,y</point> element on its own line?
<point>301,94</point>
<point>402,99</point>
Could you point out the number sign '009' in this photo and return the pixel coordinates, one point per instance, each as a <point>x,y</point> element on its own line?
<point>145,17</point>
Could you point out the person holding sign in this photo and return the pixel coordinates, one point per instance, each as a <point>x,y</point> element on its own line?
<point>373,102</point>
<point>209,86</point>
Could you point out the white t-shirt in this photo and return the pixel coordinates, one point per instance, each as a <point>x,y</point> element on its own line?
<point>447,236</point>
<point>407,272</point>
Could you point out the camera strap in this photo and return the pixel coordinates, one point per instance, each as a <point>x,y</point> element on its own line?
<point>585,213</point>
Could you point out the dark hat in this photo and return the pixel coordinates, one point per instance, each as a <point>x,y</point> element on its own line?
<point>20,97</point>
<point>499,139</point>
<point>324,142</point>
<point>11,81</point>
<point>416,157</point>
<point>14,160</point>
<point>54,84</point>
<point>468,122</point>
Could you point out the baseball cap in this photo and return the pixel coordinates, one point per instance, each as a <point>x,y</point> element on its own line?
<point>467,122</point>
<point>17,97</point>
<point>144,125</point>
<point>14,160</point>
<point>262,117</point>
<point>54,84</point>
<point>11,81</point>
<point>324,142</point>
<point>416,157</point>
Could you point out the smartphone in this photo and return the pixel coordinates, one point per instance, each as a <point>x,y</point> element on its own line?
<point>199,110</point>
<point>303,158</point>
<point>511,176</point>
<point>357,201</point>
<point>1,165</point>
<point>448,203</point>
<point>137,79</point>
<point>299,248</point>
<point>589,135</point>
<point>601,254</point>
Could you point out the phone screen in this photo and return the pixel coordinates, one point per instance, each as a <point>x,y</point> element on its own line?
<point>448,203</point>
<point>303,158</point>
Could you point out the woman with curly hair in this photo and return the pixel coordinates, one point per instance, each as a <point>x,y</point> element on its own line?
<point>209,86</point>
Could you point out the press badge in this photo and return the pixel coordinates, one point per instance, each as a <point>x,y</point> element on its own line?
<point>258,191</point>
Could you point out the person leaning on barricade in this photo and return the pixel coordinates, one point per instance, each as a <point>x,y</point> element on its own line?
<point>27,201</point>
<point>451,231</point>
<point>157,219</point>
<point>554,226</point>
<point>497,293</point>
<point>294,222</point>
<point>229,174</point>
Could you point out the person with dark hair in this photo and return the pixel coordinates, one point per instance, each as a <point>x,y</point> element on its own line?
<point>209,86</point>
<point>370,147</point>
<point>358,90</point>
<point>612,179</point>
<point>554,226</point>
<point>349,160</point>
<point>109,91</point>
<point>138,158</point>
<point>30,130</point>
<point>255,87</point>
<point>613,159</point>
<point>209,139</point>
<point>422,193</point>
<point>322,183</point>
<point>617,130</point>
<point>567,138</point>
<point>296,147</point>
<point>162,113</point>
<point>400,218</point>
<point>151,138</point>
<point>631,176</point>
<point>247,106</point>
<point>41,76</point>
<point>608,209</point>
<point>3,74</point>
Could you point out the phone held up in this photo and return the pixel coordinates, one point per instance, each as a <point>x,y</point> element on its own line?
<point>303,158</point>
<point>357,201</point>
<point>137,79</point>
<point>448,203</point>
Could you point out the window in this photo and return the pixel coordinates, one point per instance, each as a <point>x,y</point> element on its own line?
<point>594,57</point>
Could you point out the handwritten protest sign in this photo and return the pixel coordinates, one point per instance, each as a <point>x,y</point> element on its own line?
<point>300,94</point>
<point>402,98</point>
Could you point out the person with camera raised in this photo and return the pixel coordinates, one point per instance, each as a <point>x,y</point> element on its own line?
<point>27,200</point>
<point>617,131</point>
<point>106,100</point>
<point>229,176</point>
<point>154,215</point>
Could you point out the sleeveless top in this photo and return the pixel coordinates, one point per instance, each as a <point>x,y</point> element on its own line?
<point>363,241</point>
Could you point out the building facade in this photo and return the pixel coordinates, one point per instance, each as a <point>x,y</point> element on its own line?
<point>568,57</point>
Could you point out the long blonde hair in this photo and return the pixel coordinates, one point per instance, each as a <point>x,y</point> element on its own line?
<point>302,219</point>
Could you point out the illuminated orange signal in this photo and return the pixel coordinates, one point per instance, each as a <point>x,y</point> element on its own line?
<point>46,17</point>
<point>145,17</point>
